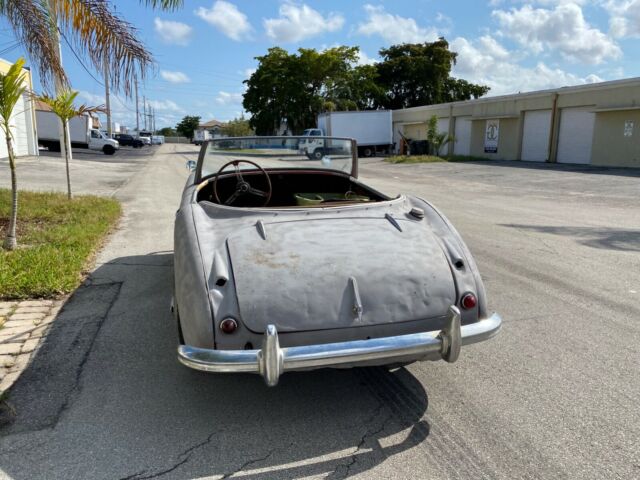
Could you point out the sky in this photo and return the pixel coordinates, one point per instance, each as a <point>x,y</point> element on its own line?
<point>205,50</point>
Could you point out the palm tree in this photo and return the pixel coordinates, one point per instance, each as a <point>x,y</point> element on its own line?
<point>91,26</point>
<point>62,106</point>
<point>12,87</point>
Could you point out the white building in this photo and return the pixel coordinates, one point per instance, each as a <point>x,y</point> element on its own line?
<point>23,121</point>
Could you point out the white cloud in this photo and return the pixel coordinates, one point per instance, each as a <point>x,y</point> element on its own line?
<point>299,22</point>
<point>487,62</point>
<point>176,33</point>
<point>394,28</point>
<point>364,59</point>
<point>561,29</point>
<point>165,105</point>
<point>174,77</point>
<point>625,17</point>
<point>226,98</point>
<point>226,18</point>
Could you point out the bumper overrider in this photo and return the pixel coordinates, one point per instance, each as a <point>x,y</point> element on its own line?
<point>272,360</point>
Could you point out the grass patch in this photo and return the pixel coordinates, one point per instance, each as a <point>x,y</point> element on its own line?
<point>431,159</point>
<point>56,241</point>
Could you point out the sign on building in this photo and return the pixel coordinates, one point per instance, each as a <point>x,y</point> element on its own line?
<point>491,136</point>
<point>628,128</point>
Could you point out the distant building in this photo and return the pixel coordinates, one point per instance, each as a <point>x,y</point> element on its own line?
<point>214,127</point>
<point>23,122</point>
<point>597,124</point>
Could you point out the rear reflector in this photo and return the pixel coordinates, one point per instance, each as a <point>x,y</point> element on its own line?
<point>468,301</point>
<point>228,325</point>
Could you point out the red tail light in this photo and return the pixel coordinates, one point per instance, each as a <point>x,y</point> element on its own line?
<point>468,301</point>
<point>228,325</point>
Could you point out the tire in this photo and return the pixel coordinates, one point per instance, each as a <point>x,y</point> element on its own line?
<point>367,152</point>
<point>108,150</point>
<point>318,154</point>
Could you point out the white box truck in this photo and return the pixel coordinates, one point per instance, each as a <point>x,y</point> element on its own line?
<point>81,130</point>
<point>201,136</point>
<point>371,129</point>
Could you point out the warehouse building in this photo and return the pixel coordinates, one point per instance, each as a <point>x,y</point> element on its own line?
<point>23,121</point>
<point>596,124</point>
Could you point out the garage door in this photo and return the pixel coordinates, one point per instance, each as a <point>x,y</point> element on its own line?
<point>462,145</point>
<point>576,135</point>
<point>535,135</point>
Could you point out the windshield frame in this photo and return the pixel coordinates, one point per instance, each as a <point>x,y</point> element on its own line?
<point>198,178</point>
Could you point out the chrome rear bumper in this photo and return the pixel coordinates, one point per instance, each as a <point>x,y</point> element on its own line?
<point>272,360</point>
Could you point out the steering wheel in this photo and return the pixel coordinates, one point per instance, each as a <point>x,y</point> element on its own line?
<point>242,186</point>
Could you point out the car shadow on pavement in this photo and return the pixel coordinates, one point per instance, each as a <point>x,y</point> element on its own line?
<point>619,239</point>
<point>107,377</point>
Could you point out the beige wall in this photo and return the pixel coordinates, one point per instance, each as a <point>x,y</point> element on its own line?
<point>610,146</point>
<point>416,132</point>
<point>507,140</point>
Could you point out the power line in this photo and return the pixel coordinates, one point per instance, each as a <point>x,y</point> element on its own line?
<point>79,59</point>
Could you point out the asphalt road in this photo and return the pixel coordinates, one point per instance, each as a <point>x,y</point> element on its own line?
<point>555,395</point>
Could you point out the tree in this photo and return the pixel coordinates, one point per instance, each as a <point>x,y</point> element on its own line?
<point>62,106</point>
<point>238,127</point>
<point>414,74</point>
<point>167,132</point>
<point>12,87</point>
<point>294,88</point>
<point>187,126</point>
<point>436,139</point>
<point>92,26</point>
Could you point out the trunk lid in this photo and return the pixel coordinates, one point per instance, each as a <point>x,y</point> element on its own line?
<point>315,274</point>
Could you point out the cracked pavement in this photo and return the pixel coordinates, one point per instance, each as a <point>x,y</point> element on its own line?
<point>553,396</point>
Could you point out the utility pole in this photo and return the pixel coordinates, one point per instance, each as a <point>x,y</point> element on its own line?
<point>144,111</point>
<point>137,112</point>
<point>107,99</point>
<point>63,130</point>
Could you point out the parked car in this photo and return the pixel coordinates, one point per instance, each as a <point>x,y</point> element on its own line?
<point>128,140</point>
<point>145,140</point>
<point>281,263</point>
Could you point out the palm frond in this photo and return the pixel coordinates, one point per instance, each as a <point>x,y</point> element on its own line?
<point>163,4</point>
<point>12,87</point>
<point>106,39</point>
<point>33,27</point>
<point>63,105</point>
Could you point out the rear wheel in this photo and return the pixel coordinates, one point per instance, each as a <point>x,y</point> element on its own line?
<point>108,150</point>
<point>367,152</point>
<point>317,154</point>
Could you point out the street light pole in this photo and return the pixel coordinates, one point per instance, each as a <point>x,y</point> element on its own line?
<point>137,112</point>
<point>63,125</point>
<point>107,100</point>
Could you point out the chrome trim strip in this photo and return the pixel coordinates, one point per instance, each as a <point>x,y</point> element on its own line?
<point>272,360</point>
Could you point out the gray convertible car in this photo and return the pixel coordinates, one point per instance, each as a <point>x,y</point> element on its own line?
<point>288,263</point>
